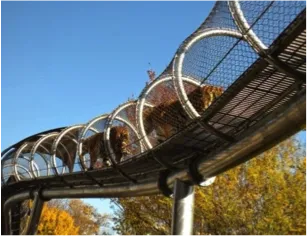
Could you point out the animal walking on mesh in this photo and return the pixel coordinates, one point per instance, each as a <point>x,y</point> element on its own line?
<point>95,147</point>
<point>169,117</point>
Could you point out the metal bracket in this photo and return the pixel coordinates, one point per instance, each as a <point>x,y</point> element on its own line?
<point>194,174</point>
<point>162,185</point>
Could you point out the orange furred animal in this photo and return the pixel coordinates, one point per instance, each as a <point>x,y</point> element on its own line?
<point>94,145</point>
<point>169,117</point>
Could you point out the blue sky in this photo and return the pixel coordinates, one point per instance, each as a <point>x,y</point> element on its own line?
<point>65,62</point>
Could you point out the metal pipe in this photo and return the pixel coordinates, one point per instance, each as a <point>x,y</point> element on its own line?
<point>6,218</point>
<point>35,214</point>
<point>183,208</point>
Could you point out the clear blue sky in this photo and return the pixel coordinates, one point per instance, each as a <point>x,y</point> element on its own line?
<point>65,62</point>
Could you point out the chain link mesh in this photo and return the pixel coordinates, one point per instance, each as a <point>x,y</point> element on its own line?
<point>269,18</point>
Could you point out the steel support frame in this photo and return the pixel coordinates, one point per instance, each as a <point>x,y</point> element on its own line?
<point>276,127</point>
<point>183,208</point>
<point>6,219</point>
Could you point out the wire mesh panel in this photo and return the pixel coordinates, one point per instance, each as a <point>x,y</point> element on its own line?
<point>121,136</point>
<point>64,150</point>
<point>216,58</point>
<point>219,17</point>
<point>92,152</point>
<point>268,19</point>
<point>41,154</point>
<point>159,113</point>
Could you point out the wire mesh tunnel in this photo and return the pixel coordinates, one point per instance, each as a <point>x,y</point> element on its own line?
<point>205,82</point>
<point>244,66</point>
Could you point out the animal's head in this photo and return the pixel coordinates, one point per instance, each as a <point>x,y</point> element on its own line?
<point>119,137</point>
<point>211,90</point>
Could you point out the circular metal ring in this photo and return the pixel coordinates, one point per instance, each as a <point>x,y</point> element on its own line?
<point>38,144</point>
<point>82,135</point>
<point>178,65</point>
<point>18,155</point>
<point>142,102</point>
<point>113,116</point>
<point>3,161</point>
<point>244,27</point>
<point>57,141</point>
<point>55,146</point>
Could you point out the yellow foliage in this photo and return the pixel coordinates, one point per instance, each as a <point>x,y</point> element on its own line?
<point>266,195</point>
<point>54,221</point>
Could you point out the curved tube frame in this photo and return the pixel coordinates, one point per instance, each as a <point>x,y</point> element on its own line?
<point>108,126</point>
<point>25,169</point>
<point>35,147</point>
<point>142,102</point>
<point>3,160</point>
<point>82,134</point>
<point>17,155</point>
<point>178,65</point>
<point>56,143</point>
<point>244,27</point>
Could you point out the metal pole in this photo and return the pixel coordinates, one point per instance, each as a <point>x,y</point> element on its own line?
<point>2,217</point>
<point>183,208</point>
<point>16,219</point>
<point>35,214</point>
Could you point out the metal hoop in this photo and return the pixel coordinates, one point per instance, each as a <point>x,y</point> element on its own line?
<point>141,103</point>
<point>35,146</point>
<point>17,155</point>
<point>109,123</point>
<point>82,134</point>
<point>244,27</point>
<point>55,145</point>
<point>178,65</point>
<point>3,160</point>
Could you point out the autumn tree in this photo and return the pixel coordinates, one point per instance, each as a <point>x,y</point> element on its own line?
<point>65,217</point>
<point>55,221</point>
<point>266,195</point>
<point>85,216</point>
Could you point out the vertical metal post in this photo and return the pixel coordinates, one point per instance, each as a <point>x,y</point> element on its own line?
<point>16,219</point>
<point>183,208</point>
<point>2,217</point>
<point>35,214</point>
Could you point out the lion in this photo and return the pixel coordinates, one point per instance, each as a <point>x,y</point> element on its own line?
<point>94,145</point>
<point>169,117</point>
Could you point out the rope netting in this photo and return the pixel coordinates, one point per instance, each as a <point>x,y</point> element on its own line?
<point>204,72</point>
